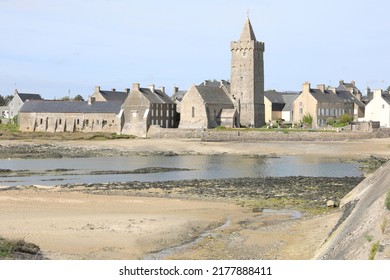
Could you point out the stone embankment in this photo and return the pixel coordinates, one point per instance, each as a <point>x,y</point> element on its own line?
<point>364,231</point>
<point>241,135</point>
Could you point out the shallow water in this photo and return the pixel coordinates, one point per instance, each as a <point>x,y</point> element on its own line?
<point>202,167</point>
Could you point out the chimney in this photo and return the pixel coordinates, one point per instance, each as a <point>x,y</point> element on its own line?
<point>162,89</point>
<point>97,89</point>
<point>333,90</point>
<point>353,83</point>
<point>152,87</point>
<point>91,100</point>
<point>136,87</point>
<point>127,90</point>
<point>321,87</point>
<point>113,89</point>
<point>306,87</point>
<point>175,90</point>
<point>377,93</point>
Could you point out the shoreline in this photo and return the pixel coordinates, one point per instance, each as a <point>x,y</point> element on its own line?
<point>96,221</point>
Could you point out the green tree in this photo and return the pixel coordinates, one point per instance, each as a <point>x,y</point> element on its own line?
<point>78,98</point>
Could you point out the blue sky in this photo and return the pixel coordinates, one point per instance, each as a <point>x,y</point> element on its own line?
<point>53,46</point>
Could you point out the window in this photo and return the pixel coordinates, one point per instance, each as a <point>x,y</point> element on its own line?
<point>86,122</point>
<point>41,121</point>
<point>59,121</point>
<point>193,111</point>
<point>383,106</point>
<point>78,121</point>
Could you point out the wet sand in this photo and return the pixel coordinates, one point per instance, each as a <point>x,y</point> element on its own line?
<point>78,225</point>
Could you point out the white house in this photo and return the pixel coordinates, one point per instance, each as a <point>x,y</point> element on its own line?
<point>378,109</point>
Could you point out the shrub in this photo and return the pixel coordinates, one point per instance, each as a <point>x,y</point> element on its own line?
<point>307,120</point>
<point>345,118</point>
<point>330,121</point>
<point>387,202</point>
<point>374,249</point>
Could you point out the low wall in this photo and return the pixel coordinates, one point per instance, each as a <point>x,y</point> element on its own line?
<point>158,132</point>
<point>253,136</point>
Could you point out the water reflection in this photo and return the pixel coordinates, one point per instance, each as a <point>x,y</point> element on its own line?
<point>76,170</point>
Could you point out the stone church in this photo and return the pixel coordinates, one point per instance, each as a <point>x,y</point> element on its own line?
<point>239,102</point>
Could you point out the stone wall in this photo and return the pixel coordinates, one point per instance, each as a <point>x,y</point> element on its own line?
<point>253,136</point>
<point>158,132</point>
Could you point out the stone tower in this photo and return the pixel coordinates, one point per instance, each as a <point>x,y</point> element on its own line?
<point>247,77</point>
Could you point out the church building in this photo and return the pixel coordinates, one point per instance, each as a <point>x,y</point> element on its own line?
<point>247,77</point>
<point>238,103</point>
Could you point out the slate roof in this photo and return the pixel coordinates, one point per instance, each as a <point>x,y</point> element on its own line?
<point>288,100</point>
<point>326,96</point>
<point>346,96</point>
<point>179,95</point>
<point>114,95</point>
<point>29,96</point>
<point>214,95</point>
<point>247,33</point>
<point>56,106</point>
<point>157,96</point>
<point>274,97</point>
<point>386,97</point>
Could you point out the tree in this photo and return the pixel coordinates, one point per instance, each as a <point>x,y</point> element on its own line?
<point>5,99</point>
<point>78,98</point>
<point>307,120</point>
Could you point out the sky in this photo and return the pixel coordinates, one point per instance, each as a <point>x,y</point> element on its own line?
<point>56,48</point>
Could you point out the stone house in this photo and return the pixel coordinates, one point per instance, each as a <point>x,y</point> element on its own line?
<point>145,107</point>
<point>18,100</point>
<point>208,105</point>
<point>359,106</point>
<point>278,105</point>
<point>378,109</point>
<point>322,103</point>
<point>110,95</point>
<point>71,116</point>
<point>287,110</point>
<point>273,105</point>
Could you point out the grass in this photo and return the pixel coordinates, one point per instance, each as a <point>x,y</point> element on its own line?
<point>387,201</point>
<point>374,250</point>
<point>9,127</point>
<point>11,132</point>
<point>8,248</point>
<point>368,237</point>
<point>383,225</point>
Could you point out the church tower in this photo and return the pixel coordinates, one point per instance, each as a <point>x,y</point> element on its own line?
<point>247,77</point>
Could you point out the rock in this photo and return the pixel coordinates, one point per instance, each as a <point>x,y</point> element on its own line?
<point>331,203</point>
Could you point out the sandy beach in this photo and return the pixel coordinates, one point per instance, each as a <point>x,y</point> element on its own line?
<point>80,225</point>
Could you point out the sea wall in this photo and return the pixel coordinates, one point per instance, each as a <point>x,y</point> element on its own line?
<point>272,135</point>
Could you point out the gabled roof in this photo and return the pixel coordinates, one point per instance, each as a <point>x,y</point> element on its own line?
<point>214,95</point>
<point>179,95</point>
<point>56,106</point>
<point>274,97</point>
<point>289,98</point>
<point>157,96</point>
<point>346,96</point>
<point>326,96</point>
<point>29,96</point>
<point>247,33</point>
<point>386,97</point>
<point>114,95</point>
